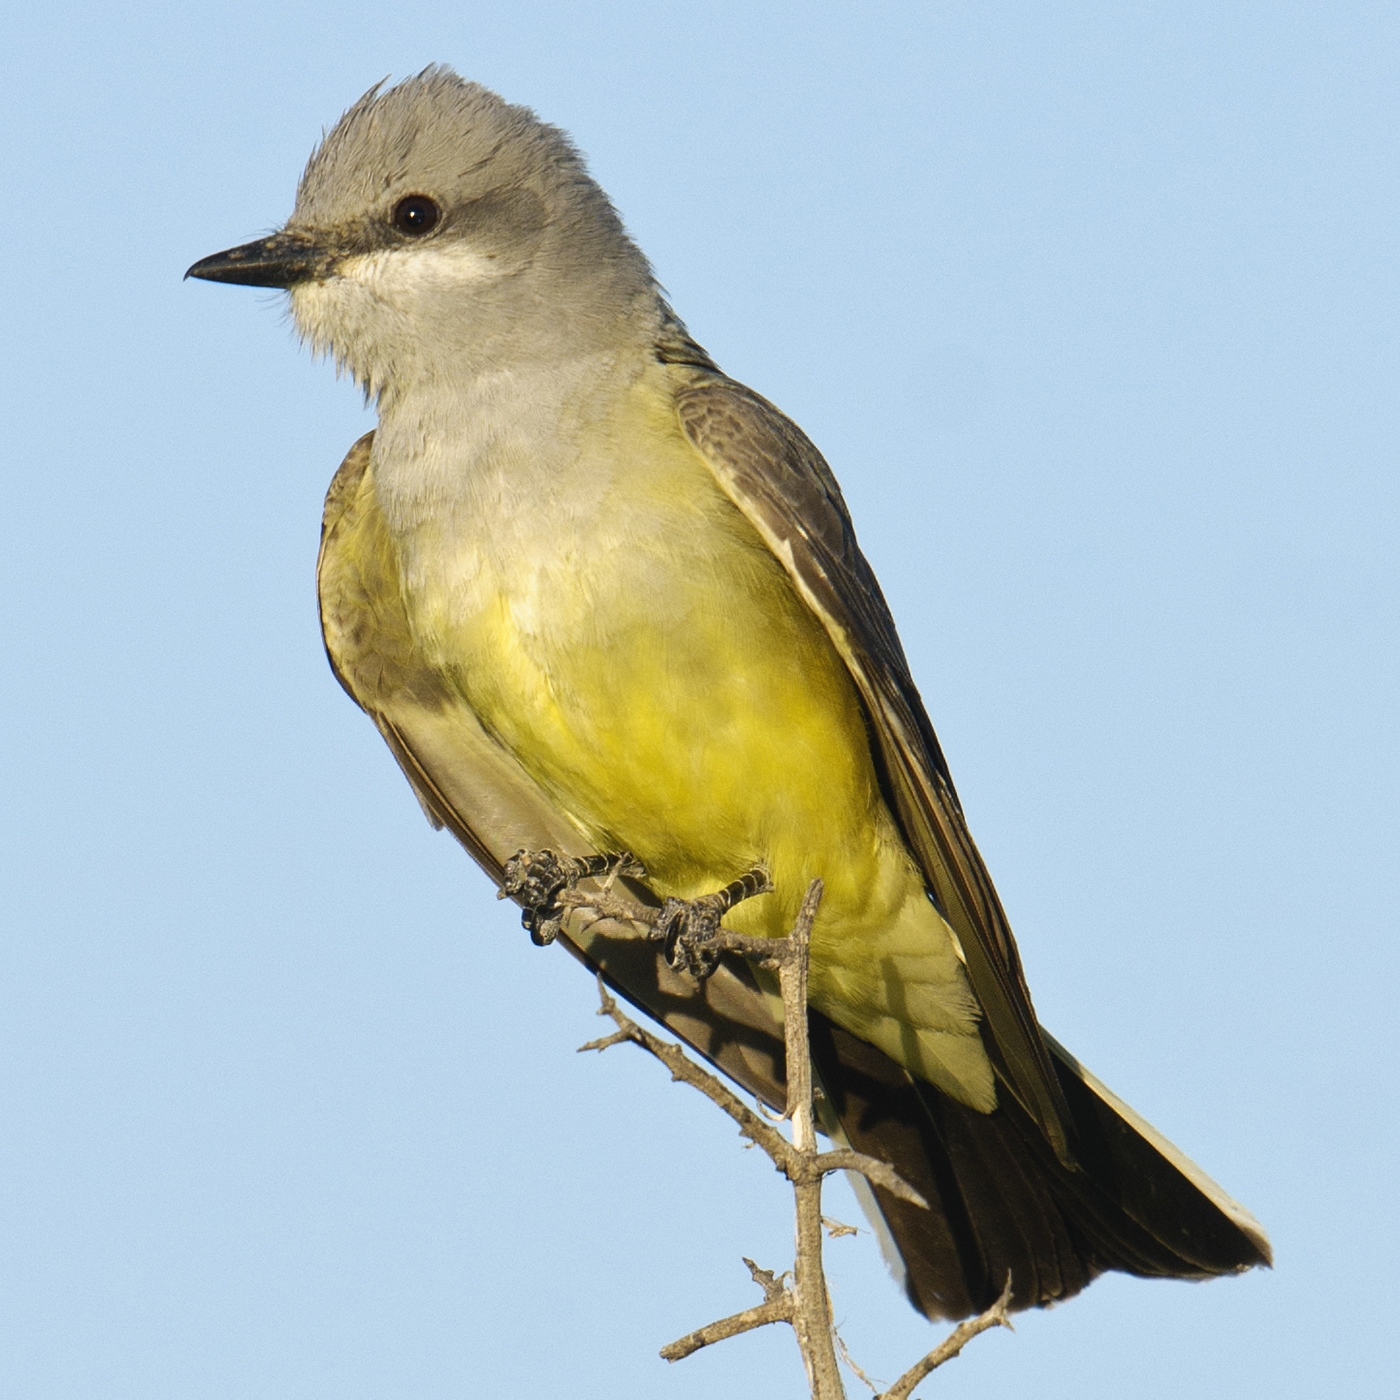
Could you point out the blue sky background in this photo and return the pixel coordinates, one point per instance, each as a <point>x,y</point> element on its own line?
<point>1093,309</point>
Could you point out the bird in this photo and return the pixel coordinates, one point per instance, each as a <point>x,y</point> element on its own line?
<point>607,608</point>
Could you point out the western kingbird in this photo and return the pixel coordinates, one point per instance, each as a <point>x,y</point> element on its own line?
<point>600,598</point>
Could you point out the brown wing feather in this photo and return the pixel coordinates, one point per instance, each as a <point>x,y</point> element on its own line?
<point>371,651</point>
<point>776,476</point>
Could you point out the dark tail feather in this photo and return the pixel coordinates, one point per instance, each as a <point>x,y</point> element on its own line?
<point>1001,1202</point>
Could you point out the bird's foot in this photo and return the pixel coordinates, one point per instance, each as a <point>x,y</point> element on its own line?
<point>536,879</point>
<point>687,927</point>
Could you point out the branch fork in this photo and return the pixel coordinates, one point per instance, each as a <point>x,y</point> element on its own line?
<point>799,1299</point>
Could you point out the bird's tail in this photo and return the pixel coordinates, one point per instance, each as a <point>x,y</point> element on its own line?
<point>1000,1202</point>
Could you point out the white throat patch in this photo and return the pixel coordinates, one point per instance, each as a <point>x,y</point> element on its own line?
<point>371,315</point>
<point>395,275</point>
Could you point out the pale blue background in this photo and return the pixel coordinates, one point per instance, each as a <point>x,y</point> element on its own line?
<point>1093,309</point>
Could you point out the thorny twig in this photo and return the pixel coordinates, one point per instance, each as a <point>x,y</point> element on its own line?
<point>775,1307</point>
<point>803,1303</point>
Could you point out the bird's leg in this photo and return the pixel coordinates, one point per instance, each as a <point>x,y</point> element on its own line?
<point>687,926</point>
<point>536,879</point>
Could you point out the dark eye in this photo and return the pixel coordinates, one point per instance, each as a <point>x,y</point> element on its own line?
<point>415,215</point>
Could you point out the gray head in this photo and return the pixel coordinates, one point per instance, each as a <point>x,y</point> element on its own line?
<point>440,230</point>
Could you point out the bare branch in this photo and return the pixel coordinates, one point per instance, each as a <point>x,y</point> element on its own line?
<point>605,1042</point>
<point>812,1305</point>
<point>776,1307</point>
<point>686,1071</point>
<point>951,1345</point>
<point>758,1316</point>
<point>872,1168</point>
<point>609,904</point>
<point>793,976</point>
<point>767,952</point>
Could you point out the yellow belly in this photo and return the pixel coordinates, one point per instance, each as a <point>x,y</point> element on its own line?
<point>657,673</point>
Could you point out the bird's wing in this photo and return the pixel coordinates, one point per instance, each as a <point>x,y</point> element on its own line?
<point>777,478</point>
<point>469,784</point>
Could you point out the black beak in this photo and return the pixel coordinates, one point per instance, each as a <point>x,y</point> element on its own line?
<point>282,260</point>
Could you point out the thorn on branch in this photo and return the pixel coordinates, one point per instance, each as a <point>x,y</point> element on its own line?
<point>773,1285</point>
<point>777,1306</point>
<point>606,1042</point>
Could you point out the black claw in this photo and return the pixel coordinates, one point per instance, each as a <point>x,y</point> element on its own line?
<point>536,879</point>
<point>684,927</point>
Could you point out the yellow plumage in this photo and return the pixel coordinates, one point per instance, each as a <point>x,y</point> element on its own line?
<point>656,673</point>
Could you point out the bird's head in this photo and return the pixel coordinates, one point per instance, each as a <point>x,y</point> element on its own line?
<point>440,230</point>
